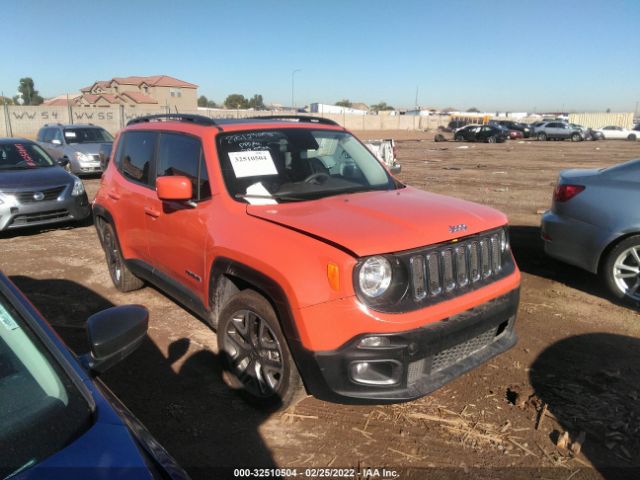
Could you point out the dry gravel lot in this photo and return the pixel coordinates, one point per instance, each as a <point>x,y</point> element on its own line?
<point>576,367</point>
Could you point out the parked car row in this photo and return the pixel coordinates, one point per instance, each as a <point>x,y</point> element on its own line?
<point>463,130</point>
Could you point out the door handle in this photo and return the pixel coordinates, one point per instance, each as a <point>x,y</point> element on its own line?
<point>113,195</point>
<point>151,212</point>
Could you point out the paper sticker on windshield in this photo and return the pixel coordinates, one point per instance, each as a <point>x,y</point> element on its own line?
<point>70,134</point>
<point>252,163</point>
<point>6,321</point>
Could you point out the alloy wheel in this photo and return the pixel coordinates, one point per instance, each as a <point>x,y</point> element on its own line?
<point>626,272</point>
<point>255,354</point>
<point>113,257</point>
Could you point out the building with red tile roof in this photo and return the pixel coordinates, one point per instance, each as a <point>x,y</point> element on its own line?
<point>161,90</point>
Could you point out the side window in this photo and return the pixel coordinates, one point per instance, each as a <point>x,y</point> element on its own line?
<point>57,135</point>
<point>182,155</point>
<point>137,156</point>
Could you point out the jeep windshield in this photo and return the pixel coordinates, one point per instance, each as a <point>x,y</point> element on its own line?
<point>22,156</point>
<point>87,135</point>
<point>295,164</point>
<point>42,411</point>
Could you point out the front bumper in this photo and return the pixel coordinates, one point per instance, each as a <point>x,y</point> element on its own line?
<point>63,209</point>
<point>413,363</point>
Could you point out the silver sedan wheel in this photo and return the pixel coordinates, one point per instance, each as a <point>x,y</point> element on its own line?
<point>256,354</point>
<point>626,272</point>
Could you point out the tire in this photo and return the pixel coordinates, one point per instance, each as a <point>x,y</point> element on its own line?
<point>576,137</point>
<point>259,366</point>
<point>121,276</point>
<point>622,260</point>
<point>542,136</point>
<point>631,137</point>
<point>459,138</point>
<point>491,139</point>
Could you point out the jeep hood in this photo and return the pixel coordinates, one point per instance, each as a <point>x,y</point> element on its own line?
<point>382,222</point>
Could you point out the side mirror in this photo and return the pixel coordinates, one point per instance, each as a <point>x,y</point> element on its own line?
<point>113,334</point>
<point>63,162</point>
<point>395,169</point>
<point>174,188</point>
<point>55,141</point>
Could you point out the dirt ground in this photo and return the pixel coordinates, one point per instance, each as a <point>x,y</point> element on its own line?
<point>575,369</point>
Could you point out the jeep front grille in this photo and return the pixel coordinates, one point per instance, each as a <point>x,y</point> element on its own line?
<point>456,266</point>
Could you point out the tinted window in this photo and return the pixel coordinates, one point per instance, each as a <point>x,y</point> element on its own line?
<point>47,135</point>
<point>182,155</point>
<point>137,155</point>
<point>87,135</point>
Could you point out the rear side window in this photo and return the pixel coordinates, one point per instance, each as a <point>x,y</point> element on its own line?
<point>137,156</point>
<point>182,155</point>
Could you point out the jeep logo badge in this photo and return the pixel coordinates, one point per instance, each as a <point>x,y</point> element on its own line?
<point>461,227</point>
<point>38,196</point>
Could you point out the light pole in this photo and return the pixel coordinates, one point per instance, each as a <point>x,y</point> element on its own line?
<point>293,102</point>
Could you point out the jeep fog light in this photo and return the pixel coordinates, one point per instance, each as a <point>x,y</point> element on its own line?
<point>376,372</point>
<point>375,276</point>
<point>374,342</point>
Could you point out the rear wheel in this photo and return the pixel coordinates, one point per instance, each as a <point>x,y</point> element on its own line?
<point>491,139</point>
<point>631,137</point>
<point>121,276</point>
<point>459,138</point>
<point>542,136</point>
<point>255,355</point>
<point>576,137</point>
<point>621,270</point>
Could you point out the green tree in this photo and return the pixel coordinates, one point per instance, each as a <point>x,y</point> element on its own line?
<point>6,100</point>
<point>28,92</point>
<point>256,102</point>
<point>344,103</point>
<point>381,107</point>
<point>235,100</point>
<point>473,110</point>
<point>211,104</point>
<point>203,101</point>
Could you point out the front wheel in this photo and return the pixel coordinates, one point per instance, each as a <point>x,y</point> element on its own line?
<point>576,137</point>
<point>631,137</point>
<point>491,139</point>
<point>123,279</point>
<point>542,136</point>
<point>459,138</point>
<point>621,270</point>
<point>255,356</point>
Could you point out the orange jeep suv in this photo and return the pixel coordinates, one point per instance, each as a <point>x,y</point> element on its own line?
<point>318,269</point>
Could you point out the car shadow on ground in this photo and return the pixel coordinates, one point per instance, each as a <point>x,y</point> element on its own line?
<point>35,230</point>
<point>528,250</point>
<point>179,395</point>
<point>589,383</point>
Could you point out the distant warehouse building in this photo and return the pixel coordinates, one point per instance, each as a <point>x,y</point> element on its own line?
<point>160,90</point>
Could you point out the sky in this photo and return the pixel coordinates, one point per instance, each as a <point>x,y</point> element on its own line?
<point>494,55</point>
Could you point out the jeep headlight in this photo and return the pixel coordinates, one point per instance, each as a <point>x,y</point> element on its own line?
<point>375,276</point>
<point>78,187</point>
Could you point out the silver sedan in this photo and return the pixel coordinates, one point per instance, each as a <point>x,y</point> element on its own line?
<point>594,223</point>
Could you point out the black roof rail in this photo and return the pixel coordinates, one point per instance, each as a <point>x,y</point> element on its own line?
<point>299,118</point>
<point>179,117</point>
